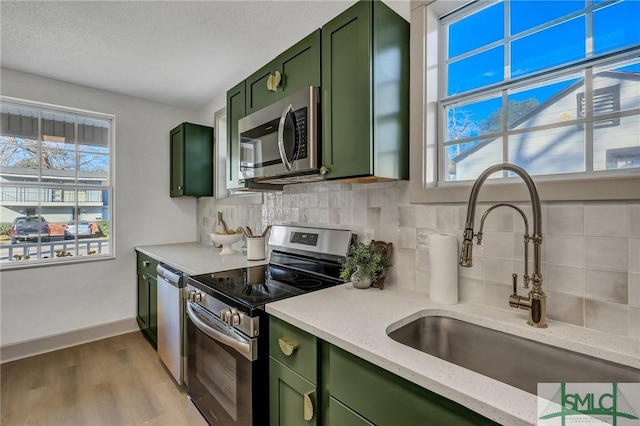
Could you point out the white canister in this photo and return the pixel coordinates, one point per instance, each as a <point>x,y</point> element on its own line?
<point>256,248</point>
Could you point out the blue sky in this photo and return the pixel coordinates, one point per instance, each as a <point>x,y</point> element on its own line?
<point>534,48</point>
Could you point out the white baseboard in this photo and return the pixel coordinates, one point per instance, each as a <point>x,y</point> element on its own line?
<point>46,344</point>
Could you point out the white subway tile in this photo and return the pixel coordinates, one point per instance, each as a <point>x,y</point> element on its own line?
<point>407,216</point>
<point>566,308</point>
<point>563,279</point>
<point>611,286</point>
<point>608,317</point>
<point>634,221</point>
<point>564,220</point>
<point>606,253</point>
<point>448,217</point>
<point>425,217</point>
<point>498,244</point>
<point>406,238</point>
<point>634,322</point>
<point>498,270</point>
<point>496,294</point>
<point>605,221</point>
<point>564,250</point>
<point>470,290</point>
<point>634,255</point>
<point>634,289</point>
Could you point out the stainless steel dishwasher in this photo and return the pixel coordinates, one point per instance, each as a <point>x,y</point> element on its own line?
<point>170,320</point>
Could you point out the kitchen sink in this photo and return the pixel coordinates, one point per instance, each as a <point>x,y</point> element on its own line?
<point>514,360</point>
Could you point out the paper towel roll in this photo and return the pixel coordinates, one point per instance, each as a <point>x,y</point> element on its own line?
<point>443,258</point>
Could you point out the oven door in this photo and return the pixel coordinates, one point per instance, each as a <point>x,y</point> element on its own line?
<point>220,369</point>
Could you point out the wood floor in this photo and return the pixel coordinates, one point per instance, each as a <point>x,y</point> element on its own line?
<point>111,382</point>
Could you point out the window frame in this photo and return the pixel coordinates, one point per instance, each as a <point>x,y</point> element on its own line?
<point>44,186</point>
<point>425,186</point>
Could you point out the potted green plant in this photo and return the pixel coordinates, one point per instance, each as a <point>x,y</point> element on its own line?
<point>365,265</point>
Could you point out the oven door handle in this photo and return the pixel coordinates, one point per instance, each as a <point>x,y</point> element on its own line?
<point>283,153</point>
<point>241,345</point>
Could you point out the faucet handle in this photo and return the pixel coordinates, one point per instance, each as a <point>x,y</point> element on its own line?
<point>514,278</point>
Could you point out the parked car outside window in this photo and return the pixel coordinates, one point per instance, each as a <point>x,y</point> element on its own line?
<point>28,228</point>
<point>81,229</point>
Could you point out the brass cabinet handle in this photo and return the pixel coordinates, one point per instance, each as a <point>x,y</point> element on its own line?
<point>273,81</point>
<point>324,170</point>
<point>145,263</point>
<point>308,405</point>
<point>287,346</point>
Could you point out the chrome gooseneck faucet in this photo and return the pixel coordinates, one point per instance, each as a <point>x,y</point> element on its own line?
<point>536,301</point>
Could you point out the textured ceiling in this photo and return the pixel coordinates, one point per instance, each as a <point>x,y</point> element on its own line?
<point>182,53</point>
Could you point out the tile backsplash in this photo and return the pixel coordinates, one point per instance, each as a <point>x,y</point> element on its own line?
<point>590,252</point>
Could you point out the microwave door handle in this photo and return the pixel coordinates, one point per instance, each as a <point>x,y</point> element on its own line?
<point>283,153</point>
<point>242,346</point>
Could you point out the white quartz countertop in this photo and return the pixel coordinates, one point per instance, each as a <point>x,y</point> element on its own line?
<point>358,320</point>
<point>196,258</point>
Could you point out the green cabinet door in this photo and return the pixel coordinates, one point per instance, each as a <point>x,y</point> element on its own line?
<point>258,95</point>
<point>385,399</point>
<point>343,416</point>
<point>191,161</point>
<point>153,309</point>
<point>143,302</point>
<point>235,111</point>
<point>147,300</point>
<point>147,307</point>
<point>288,395</point>
<point>299,67</point>
<point>365,93</point>
<point>177,162</point>
<point>346,93</point>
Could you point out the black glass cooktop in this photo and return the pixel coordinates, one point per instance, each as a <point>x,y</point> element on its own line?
<point>257,285</point>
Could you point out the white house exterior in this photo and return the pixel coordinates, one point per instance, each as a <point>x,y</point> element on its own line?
<point>616,138</point>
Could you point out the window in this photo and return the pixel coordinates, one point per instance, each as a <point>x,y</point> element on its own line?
<point>466,110</point>
<point>56,183</point>
<point>510,90</point>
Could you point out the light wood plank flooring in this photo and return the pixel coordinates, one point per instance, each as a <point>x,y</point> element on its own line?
<point>111,382</point>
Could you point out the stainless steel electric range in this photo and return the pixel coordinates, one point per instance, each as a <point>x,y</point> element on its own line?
<point>227,326</point>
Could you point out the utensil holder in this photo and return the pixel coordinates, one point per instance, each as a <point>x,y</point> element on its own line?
<point>256,248</point>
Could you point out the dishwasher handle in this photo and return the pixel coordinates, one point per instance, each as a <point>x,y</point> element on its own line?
<point>170,275</point>
<point>243,346</point>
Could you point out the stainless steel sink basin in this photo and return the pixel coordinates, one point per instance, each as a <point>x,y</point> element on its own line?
<point>514,360</point>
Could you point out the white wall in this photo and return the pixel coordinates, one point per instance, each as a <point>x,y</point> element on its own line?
<point>46,301</point>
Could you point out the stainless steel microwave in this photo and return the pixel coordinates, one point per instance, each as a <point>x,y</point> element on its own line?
<point>281,140</point>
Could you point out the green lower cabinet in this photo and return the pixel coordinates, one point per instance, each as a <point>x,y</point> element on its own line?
<point>147,300</point>
<point>348,391</point>
<point>385,399</point>
<point>343,416</point>
<point>293,400</point>
<point>147,307</point>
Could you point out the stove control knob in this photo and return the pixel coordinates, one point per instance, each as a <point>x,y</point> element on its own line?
<point>195,296</point>
<point>235,318</point>
<point>225,316</point>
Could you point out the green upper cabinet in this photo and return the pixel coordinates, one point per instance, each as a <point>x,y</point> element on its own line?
<point>365,93</point>
<point>191,161</point>
<point>298,67</point>
<point>235,111</point>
